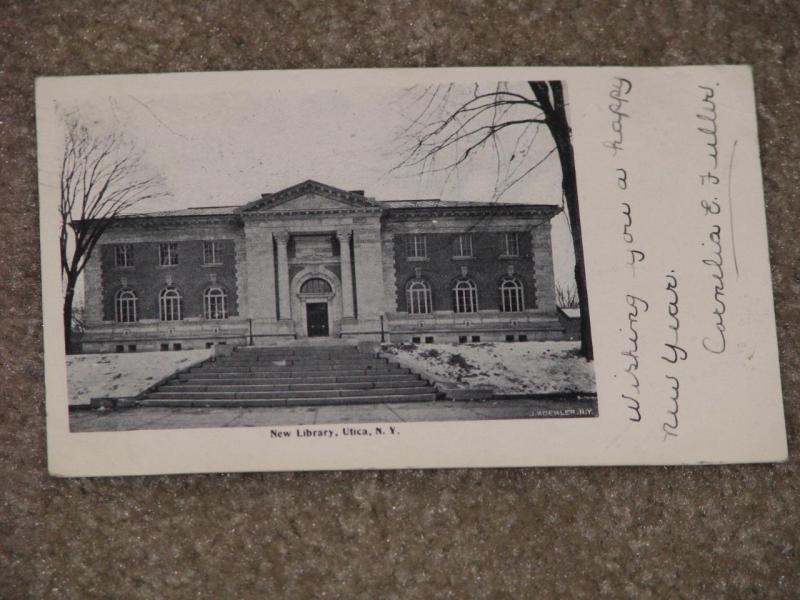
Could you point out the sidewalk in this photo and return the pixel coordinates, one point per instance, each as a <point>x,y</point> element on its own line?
<point>131,419</point>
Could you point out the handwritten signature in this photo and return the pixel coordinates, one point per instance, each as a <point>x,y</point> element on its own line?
<point>708,114</point>
<point>712,209</point>
<point>717,344</point>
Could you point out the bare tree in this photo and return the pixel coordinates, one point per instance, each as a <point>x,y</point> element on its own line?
<point>506,121</point>
<point>102,176</point>
<point>566,296</point>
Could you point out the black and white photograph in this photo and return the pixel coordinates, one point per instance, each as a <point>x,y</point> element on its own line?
<point>305,270</point>
<point>285,257</point>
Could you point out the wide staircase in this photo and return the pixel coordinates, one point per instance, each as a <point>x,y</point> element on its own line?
<point>291,376</point>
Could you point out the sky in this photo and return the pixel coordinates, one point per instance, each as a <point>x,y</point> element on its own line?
<point>229,148</point>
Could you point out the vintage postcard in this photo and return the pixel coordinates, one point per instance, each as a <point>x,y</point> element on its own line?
<point>427,268</point>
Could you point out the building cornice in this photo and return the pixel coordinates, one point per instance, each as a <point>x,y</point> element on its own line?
<point>144,221</point>
<point>272,214</point>
<point>545,211</point>
<point>538,211</point>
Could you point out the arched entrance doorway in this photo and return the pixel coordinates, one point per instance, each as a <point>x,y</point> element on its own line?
<point>314,293</point>
<point>317,305</point>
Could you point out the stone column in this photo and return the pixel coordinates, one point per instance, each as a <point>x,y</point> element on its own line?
<point>284,298</point>
<point>347,272</point>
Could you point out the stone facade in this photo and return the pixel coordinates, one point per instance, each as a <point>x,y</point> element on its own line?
<point>313,260</point>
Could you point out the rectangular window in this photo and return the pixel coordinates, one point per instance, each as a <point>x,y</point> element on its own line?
<point>523,337</point>
<point>429,339</point>
<point>509,338</point>
<point>415,340</point>
<point>463,246</point>
<point>212,253</point>
<point>120,348</point>
<point>123,255</point>
<point>164,347</point>
<point>417,246</point>
<point>511,244</point>
<point>131,347</point>
<point>462,339</point>
<point>168,254</point>
<point>176,346</point>
<point>476,338</point>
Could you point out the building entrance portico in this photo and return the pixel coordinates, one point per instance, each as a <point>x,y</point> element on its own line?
<point>313,231</point>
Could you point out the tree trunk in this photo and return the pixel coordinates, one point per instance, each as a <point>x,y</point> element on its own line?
<point>570,187</point>
<point>556,118</point>
<point>69,296</point>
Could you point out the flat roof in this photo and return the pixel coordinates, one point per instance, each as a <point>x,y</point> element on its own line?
<point>205,211</point>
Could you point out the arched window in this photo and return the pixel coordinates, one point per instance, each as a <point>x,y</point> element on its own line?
<point>215,303</point>
<point>125,306</point>
<point>512,296</point>
<point>315,285</point>
<point>418,297</point>
<point>466,296</point>
<point>169,304</point>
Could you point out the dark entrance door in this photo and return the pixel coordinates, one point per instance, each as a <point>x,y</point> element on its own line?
<point>317,319</point>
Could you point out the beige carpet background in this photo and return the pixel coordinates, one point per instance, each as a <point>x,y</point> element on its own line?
<point>530,533</point>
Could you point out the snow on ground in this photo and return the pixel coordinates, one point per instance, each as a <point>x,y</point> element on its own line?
<point>123,375</point>
<point>509,367</point>
<point>572,313</point>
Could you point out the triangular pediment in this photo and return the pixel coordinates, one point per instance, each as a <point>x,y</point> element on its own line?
<point>310,196</point>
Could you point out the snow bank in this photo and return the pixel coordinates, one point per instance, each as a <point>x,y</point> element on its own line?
<point>123,375</point>
<point>510,367</point>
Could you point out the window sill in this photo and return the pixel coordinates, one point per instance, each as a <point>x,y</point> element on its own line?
<point>509,257</point>
<point>463,258</point>
<point>219,264</point>
<point>166,266</point>
<point>417,258</point>
<point>120,268</point>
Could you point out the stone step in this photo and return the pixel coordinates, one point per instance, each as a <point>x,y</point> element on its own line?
<point>310,362</point>
<point>285,402</point>
<point>305,375</point>
<point>319,343</point>
<point>322,352</point>
<point>294,371</point>
<point>268,359</point>
<point>255,395</point>
<point>214,379</point>
<point>287,387</point>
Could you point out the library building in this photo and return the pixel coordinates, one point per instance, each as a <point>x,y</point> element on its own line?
<point>314,261</point>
